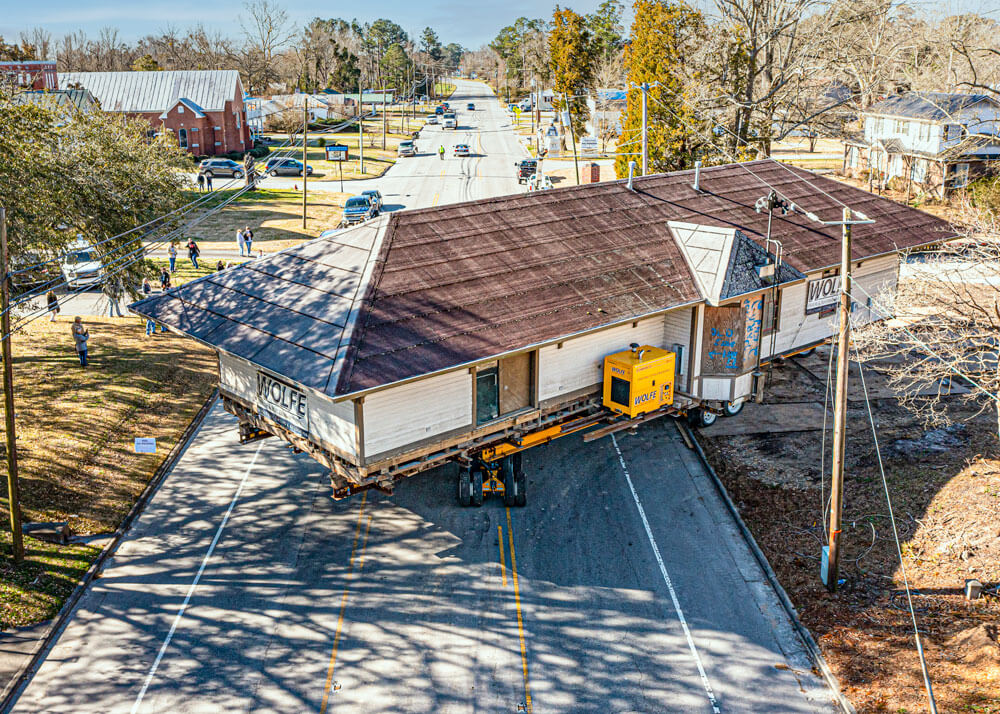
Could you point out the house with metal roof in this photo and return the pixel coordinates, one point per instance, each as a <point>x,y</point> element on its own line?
<point>430,335</point>
<point>931,142</point>
<point>204,109</point>
<point>64,103</point>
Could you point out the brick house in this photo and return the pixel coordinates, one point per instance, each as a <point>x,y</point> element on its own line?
<point>931,142</point>
<point>203,109</point>
<point>30,74</point>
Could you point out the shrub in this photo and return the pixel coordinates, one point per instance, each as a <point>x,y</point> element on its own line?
<point>321,142</point>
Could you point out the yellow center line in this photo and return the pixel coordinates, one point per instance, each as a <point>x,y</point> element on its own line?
<point>435,201</point>
<point>503,566</point>
<point>343,600</point>
<point>520,620</point>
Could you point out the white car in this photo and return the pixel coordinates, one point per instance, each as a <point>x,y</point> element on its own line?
<point>81,265</point>
<point>432,119</point>
<point>539,182</point>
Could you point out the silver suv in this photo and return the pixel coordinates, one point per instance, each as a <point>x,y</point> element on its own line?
<point>221,167</point>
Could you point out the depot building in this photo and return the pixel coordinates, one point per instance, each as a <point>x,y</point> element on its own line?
<point>411,339</point>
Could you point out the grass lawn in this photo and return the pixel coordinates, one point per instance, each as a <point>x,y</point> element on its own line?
<point>443,90</point>
<point>185,272</point>
<point>76,431</point>
<point>274,215</point>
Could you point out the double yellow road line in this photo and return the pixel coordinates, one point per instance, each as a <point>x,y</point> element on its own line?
<point>517,603</point>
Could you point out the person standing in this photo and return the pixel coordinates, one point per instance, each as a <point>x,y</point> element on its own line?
<point>193,252</point>
<point>201,182</point>
<point>248,240</point>
<point>172,252</point>
<point>164,280</point>
<point>208,182</point>
<point>147,290</point>
<point>53,304</point>
<point>114,293</point>
<point>240,241</point>
<point>80,336</point>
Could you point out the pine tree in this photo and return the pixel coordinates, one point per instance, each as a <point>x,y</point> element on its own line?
<point>572,61</point>
<point>662,35</point>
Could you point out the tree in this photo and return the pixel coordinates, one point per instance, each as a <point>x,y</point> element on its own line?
<point>572,62</point>
<point>146,63</point>
<point>15,53</point>
<point>266,30</point>
<point>431,45</point>
<point>664,33</point>
<point>943,326</point>
<point>288,121</point>
<point>453,54</point>
<point>396,68</point>
<point>605,27</point>
<point>95,177</point>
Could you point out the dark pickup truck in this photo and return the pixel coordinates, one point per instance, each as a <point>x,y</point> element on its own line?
<point>525,169</point>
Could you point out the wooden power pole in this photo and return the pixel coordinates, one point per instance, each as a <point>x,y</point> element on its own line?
<point>13,486</point>
<point>840,409</point>
<point>305,156</point>
<point>361,129</point>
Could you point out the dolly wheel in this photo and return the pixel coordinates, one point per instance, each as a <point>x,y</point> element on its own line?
<point>477,487</point>
<point>702,417</point>
<point>464,487</point>
<point>509,482</point>
<point>521,490</point>
<point>730,409</point>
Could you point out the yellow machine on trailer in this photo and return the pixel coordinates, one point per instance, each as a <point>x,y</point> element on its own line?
<point>637,383</point>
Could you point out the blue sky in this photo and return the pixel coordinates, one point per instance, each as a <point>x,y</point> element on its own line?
<point>471,23</point>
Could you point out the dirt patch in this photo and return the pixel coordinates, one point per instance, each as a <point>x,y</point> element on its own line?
<point>945,488</point>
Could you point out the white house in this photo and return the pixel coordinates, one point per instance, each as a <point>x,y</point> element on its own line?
<point>927,141</point>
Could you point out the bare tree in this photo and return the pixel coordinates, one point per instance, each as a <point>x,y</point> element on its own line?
<point>266,30</point>
<point>946,323</point>
<point>41,40</point>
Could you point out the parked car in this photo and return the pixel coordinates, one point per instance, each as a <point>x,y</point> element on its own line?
<point>29,271</point>
<point>539,182</point>
<point>375,197</point>
<point>461,149</point>
<point>470,107</point>
<point>221,167</point>
<point>424,98</point>
<point>525,169</point>
<point>432,119</point>
<point>358,209</point>
<point>286,167</point>
<point>406,148</point>
<point>81,265</point>
<point>449,122</point>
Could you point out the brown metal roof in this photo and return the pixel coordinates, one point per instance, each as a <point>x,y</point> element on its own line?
<point>435,288</point>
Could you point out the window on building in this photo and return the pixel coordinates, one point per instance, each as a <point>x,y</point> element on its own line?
<point>487,394</point>
<point>772,304</point>
<point>952,132</point>
<point>182,138</point>
<point>960,176</point>
<point>180,109</point>
<point>237,119</point>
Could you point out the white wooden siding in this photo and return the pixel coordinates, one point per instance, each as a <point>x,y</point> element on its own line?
<point>677,331</point>
<point>796,329</point>
<point>403,415</point>
<point>577,364</point>
<point>329,422</point>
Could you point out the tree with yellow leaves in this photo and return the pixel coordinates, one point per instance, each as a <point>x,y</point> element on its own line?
<point>572,61</point>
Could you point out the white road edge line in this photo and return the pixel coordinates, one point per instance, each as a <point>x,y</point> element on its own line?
<point>194,584</point>
<point>666,578</point>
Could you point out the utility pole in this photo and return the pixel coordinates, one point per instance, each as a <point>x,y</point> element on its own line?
<point>645,130</point>
<point>385,118</point>
<point>13,486</point>
<point>572,134</point>
<point>361,129</point>
<point>305,156</point>
<point>840,407</point>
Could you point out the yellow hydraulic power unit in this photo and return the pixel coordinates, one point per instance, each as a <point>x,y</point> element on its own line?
<point>639,380</point>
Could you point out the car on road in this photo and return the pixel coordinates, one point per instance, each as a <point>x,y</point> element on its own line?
<point>29,271</point>
<point>375,197</point>
<point>446,106</point>
<point>358,209</point>
<point>449,122</point>
<point>221,167</point>
<point>539,182</point>
<point>461,149</point>
<point>286,167</point>
<point>432,119</point>
<point>525,169</point>
<point>470,107</point>
<point>81,265</point>
<point>406,148</point>
<point>439,110</point>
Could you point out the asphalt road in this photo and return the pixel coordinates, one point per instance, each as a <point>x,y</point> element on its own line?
<point>623,586</point>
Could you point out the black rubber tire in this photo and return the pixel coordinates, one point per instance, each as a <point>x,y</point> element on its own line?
<point>508,478</point>
<point>702,417</point>
<point>209,174</point>
<point>237,174</point>
<point>464,487</point>
<point>302,172</point>
<point>477,487</point>
<point>521,491</point>
<point>731,409</point>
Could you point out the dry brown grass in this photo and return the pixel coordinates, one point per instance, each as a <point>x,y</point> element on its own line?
<point>76,428</point>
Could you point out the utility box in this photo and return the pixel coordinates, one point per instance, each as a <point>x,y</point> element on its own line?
<point>639,380</point>
<point>590,173</point>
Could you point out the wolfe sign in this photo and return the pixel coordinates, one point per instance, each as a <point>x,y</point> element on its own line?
<point>822,294</point>
<point>282,403</point>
